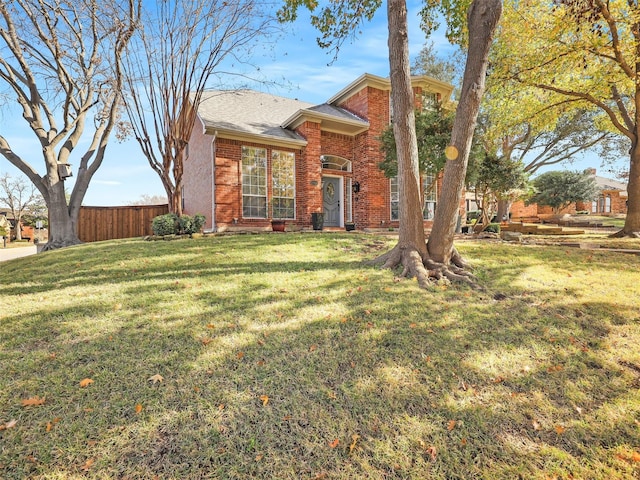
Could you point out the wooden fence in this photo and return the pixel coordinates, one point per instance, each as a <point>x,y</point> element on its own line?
<point>107,223</point>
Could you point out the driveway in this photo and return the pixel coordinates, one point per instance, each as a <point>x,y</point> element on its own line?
<point>17,252</point>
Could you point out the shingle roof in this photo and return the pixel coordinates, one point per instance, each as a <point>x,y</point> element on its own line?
<point>262,114</point>
<point>249,112</point>
<point>608,184</point>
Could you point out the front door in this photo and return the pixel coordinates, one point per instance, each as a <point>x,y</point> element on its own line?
<point>331,201</point>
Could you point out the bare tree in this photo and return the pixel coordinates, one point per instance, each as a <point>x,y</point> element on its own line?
<point>61,62</point>
<point>18,195</point>
<point>182,45</point>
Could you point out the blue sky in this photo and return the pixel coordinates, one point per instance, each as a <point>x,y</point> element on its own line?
<point>125,174</point>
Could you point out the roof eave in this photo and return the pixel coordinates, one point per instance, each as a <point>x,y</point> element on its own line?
<point>255,138</point>
<point>327,122</point>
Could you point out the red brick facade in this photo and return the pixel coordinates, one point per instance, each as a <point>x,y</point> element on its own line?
<point>367,205</point>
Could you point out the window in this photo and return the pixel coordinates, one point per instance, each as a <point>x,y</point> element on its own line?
<point>283,181</point>
<point>395,198</point>
<point>601,203</point>
<point>607,204</point>
<point>594,206</point>
<point>349,200</point>
<point>332,162</point>
<point>254,182</point>
<point>430,192</point>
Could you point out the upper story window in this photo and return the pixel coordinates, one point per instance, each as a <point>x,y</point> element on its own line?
<point>331,162</point>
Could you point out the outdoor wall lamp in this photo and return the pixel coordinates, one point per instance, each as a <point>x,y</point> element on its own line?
<point>355,187</point>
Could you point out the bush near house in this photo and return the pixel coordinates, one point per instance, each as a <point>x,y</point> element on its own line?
<point>172,224</point>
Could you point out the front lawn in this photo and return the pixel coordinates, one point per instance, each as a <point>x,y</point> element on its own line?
<point>283,356</point>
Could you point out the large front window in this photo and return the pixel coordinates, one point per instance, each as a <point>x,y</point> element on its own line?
<point>430,191</point>
<point>254,182</point>
<point>395,199</point>
<point>283,178</point>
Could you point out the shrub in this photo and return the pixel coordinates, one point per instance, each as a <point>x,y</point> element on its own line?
<point>165,224</point>
<point>171,224</point>
<point>493,228</point>
<point>188,225</point>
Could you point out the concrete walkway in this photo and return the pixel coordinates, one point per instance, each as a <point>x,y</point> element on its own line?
<point>17,252</point>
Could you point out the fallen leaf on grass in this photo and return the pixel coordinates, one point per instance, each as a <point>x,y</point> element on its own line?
<point>559,429</point>
<point>535,424</point>
<point>206,340</point>
<point>156,378</point>
<point>33,401</point>
<point>138,408</point>
<point>313,348</point>
<point>451,425</point>
<point>355,437</point>
<point>334,444</point>
<point>85,382</point>
<point>87,465</point>
<point>432,452</point>
<point>240,355</point>
<point>8,425</point>
<point>629,456</point>
<point>264,399</point>
<point>259,457</point>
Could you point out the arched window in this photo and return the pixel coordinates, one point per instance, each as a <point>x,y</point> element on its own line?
<point>331,162</point>
<point>607,204</point>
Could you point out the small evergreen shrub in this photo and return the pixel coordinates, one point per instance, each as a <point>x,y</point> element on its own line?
<point>493,228</point>
<point>165,224</point>
<point>171,224</point>
<point>188,225</point>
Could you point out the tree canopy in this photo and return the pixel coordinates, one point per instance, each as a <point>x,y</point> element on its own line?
<point>582,53</point>
<point>559,189</point>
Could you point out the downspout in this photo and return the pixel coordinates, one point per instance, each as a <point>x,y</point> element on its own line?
<point>214,227</point>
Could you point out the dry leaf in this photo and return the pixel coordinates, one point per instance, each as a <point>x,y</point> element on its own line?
<point>635,456</point>
<point>312,348</point>
<point>259,457</point>
<point>240,355</point>
<point>211,325</point>
<point>334,444</point>
<point>84,383</point>
<point>33,401</point>
<point>536,425</point>
<point>8,425</point>
<point>156,378</point>
<point>260,363</point>
<point>87,465</point>
<point>451,425</point>
<point>559,429</point>
<point>206,340</point>
<point>433,453</point>
<point>413,325</point>
<point>463,442</point>
<point>355,439</point>
<point>49,427</point>
<point>138,408</point>
<point>264,399</point>
<point>221,407</point>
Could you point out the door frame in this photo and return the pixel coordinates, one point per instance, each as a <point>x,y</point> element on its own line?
<point>340,193</point>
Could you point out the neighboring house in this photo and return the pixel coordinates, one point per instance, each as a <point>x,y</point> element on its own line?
<point>254,156</point>
<point>612,200</point>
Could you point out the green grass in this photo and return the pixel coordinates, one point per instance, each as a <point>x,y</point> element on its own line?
<point>536,377</point>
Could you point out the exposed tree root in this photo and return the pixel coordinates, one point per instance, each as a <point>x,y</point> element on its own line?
<point>426,271</point>
<point>56,244</point>
<point>623,234</point>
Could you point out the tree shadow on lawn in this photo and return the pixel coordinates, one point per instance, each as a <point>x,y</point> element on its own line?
<point>353,355</point>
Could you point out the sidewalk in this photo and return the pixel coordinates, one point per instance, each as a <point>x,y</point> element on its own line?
<point>17,252</point>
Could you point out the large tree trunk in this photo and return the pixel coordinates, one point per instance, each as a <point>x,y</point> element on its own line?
<point>631,226</point>
<point>504,206</point>
<point>411,250</point>
<point>482,20</point>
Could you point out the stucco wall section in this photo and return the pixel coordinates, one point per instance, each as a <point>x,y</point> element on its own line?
<point>196,177</point>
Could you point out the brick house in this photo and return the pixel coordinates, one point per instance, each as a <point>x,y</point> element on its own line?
<point>253,156</point>
<point>612,200</point>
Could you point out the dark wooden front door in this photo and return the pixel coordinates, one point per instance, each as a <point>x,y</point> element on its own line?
<point>331,201</point>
